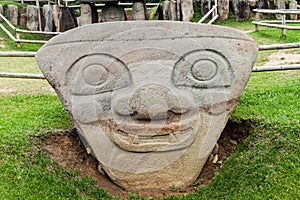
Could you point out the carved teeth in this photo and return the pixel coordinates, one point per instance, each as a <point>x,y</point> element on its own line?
<point>130,138</point>
<point>136,139</point>
<point>133,139</point>
<point>172,138</point>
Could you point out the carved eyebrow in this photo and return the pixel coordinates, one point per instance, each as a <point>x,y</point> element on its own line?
<point>117,74</point>
<point>192,70</point>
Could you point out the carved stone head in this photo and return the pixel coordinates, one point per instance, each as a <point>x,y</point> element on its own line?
<point>150,99</point>
<point>113,12</point>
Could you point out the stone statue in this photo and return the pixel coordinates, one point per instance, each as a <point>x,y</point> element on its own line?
<point>139,10</point>
<point>149,98</point>
<point>113,12</point>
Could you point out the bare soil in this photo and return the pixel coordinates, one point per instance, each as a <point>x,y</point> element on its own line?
<point>282,57</point>
<point>66,149</point>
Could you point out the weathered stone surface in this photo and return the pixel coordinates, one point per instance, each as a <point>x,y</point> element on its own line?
<point>113,12</point>
<point>223,9</point>
<point>1,11</point>
<point>139,10</point>
<point>205,6</point>
<point>173,10</point>
<point>48,17</point>
<point>32,13</point>
<point>187,10</point>
<point>241,9</point>
<point>264,4</point>
<point>12,14</point>
<point>165,8</point>
<point>55,15</point>
<point>293,5</point>
<point>252,3</point>
<point>85,14</point>
<point>23,20</point>
<point>149,98</point>
<point>67,19</point>
<point>280,4</point>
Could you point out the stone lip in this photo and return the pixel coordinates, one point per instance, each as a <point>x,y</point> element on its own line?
<point>175,133</point>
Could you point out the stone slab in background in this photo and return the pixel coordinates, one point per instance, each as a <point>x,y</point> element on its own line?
<point>149,98</point>
<point>139,10</point>
<point>23,20</point>
<point>67,19</point>
<point>279,4</point>
<point>32,13</point>
<point>187,10</point>
<point>48,18</point>
<point>55,15</point>
<point>241,9</point>
<point>12,14</point>
<point>1,11</point>
<point>113,12</point>
<point>264,4</point>
<point>293,5</point>
<point>223,9</point>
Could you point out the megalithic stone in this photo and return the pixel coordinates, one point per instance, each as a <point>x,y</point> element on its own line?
<point>1,11</point>
<point>187,10</point>
<point>23,20</point>
<point>85,14</point>
<point>48,17</point>
<point>113,12</point>
<point>12,14</point>
<point>139,10</point>
<point>293,6</point>
<point>55,15</point>
<point>32,13</point>
<point>223,9</point>
<point>165,7</point>
<point>241,10</point>
<point>149,98</point>
<point>264,4</point>
<point>279,4</point>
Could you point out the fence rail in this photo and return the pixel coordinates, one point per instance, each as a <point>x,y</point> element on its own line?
<point>213,11</point>
<point>271,24</point>
<point>255,69</point>
<point>19,31</point>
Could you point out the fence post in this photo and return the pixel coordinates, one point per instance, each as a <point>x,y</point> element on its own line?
<point>257,20</point>
<point>283,23</point>
<point>18,39</point>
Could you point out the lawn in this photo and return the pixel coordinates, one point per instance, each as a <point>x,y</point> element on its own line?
<point>265,166</point>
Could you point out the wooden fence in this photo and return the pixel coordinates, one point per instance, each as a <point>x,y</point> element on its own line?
<point>213,11</point>
<point>18,32</point>
<point>276,23</point>
<point>255,69</point>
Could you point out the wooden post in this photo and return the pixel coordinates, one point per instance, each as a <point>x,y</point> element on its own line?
<point>39,15</point>
<point>283,23</point>
<point>257,20</point>
<point>18,39</point>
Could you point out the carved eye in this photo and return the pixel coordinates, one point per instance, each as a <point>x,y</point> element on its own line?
<point>202,69</point>
<point>97,73</point>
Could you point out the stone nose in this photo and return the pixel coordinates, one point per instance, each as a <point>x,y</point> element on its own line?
<point>152,102</point>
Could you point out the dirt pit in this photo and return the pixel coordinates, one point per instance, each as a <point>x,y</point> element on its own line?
<point>66,149</point>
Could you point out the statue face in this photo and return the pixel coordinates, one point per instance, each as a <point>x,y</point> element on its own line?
<point>149,98</point>
<point>113,13</point>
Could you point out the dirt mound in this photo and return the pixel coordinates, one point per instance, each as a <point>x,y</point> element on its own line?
<point>66,149</point>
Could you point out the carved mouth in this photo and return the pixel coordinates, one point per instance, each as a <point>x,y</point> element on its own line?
<point>155,136</point>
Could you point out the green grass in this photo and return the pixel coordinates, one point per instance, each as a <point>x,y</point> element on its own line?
<point>24,170</point>
<point>265,166</point>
